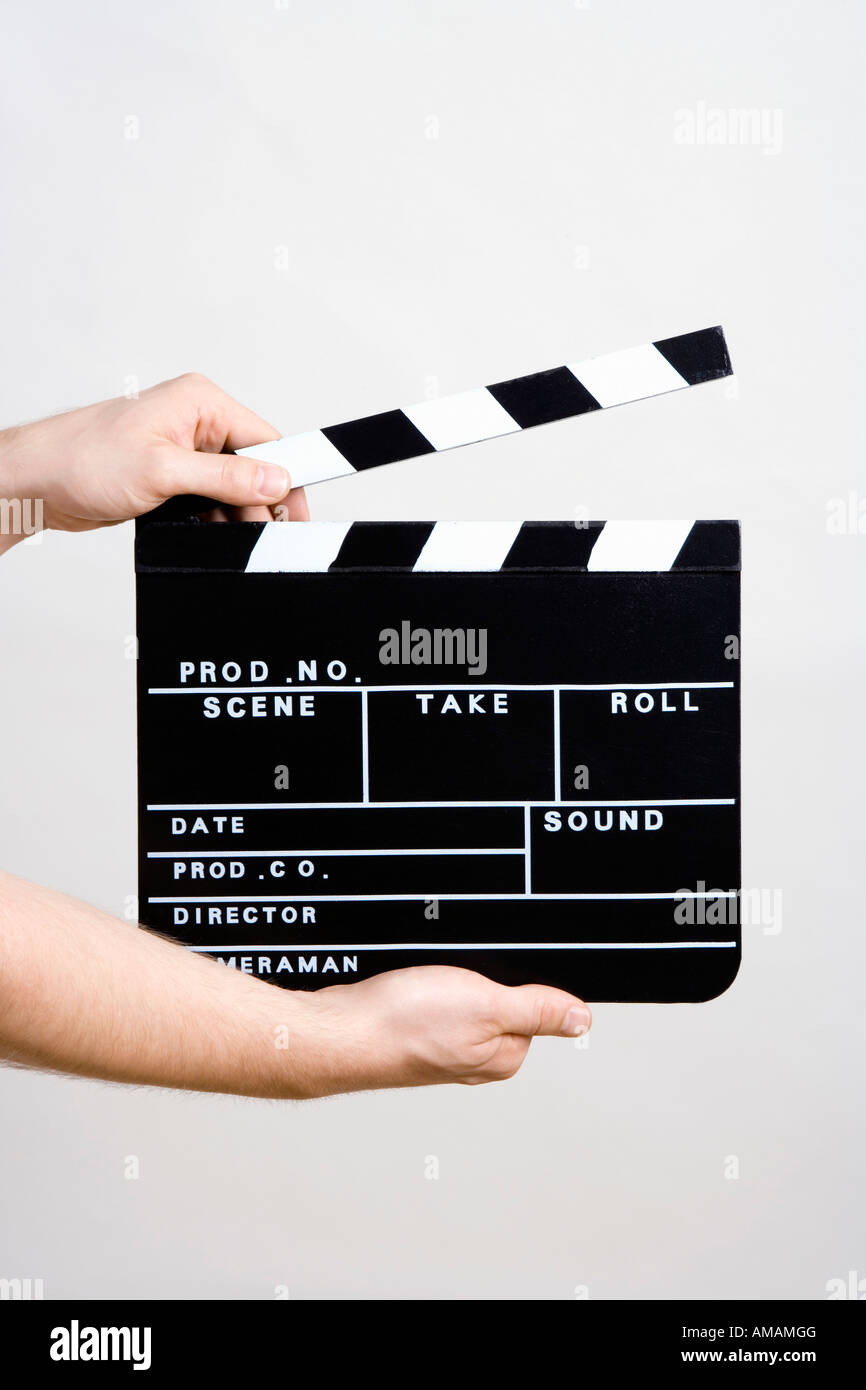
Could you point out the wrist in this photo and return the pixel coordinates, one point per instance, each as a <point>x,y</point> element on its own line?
<point>289,1047</point>
<point>318,1046</point>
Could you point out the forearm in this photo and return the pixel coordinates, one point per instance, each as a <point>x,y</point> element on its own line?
<point>86,993</point>
<point>16,512</point>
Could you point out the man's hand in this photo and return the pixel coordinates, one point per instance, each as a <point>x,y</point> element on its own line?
<point>433,1024</point>
<point>85,993</point>
<point>155,1014</point>
<point>113,461</point>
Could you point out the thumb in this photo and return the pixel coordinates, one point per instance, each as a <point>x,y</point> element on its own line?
<point>239,482</point>
<point>539,1011</point>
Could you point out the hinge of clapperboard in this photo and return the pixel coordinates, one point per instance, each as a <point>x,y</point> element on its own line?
<point>468,417</point>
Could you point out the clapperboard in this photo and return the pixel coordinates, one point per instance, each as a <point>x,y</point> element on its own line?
<point>512,747</point>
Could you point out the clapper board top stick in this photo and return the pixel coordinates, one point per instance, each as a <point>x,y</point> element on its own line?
<point>446,422</point>
<point>508,746</point>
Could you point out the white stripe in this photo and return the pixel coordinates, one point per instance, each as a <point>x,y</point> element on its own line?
<point>411,689</point>
<point>467,545</point>
<point>630,375</point>
<point>417,805</point>
<point>488,946</point>
<point>309,458</point>
<point>315,853</point>
<point>446,897</point>
<point>449,421</point>
<point>557,749</point>
<point>295,547</point>
<point>365,748</point>
<point>639,545</point>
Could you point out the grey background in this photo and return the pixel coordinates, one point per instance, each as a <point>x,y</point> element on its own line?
<point>555,216</point>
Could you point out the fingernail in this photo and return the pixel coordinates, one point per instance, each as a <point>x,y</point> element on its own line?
<point>577,1021</point>
<point>272,481</point>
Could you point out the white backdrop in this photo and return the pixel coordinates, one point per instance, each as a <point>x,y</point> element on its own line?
<point>333,209</point>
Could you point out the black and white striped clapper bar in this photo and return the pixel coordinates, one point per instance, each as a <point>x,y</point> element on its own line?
<point>446,422</point>
<point>511,746</point>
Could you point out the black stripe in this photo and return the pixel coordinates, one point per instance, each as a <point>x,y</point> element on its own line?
<point>553,545</point>
<point>376,439</point>
<point>544,396</point>
<point>195,546</point>
<point>186,508</point>
<point>710,545</point>
<point>383,545</point>
<point>700,356</point>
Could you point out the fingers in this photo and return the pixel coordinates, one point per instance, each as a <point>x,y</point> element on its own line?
<point>292,508</point>
<point>238,482</point>
<point>539,1011</point>
<point>251,514</point>
<point>222,423</point>
<point>297,505</point>
<point>215,423</point>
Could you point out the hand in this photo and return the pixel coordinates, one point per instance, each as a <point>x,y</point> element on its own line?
<point>428,1025</point>
<point>84,993</point>
<point>113,461</point>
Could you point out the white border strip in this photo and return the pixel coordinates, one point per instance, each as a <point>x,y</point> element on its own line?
<point>491,946</point>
